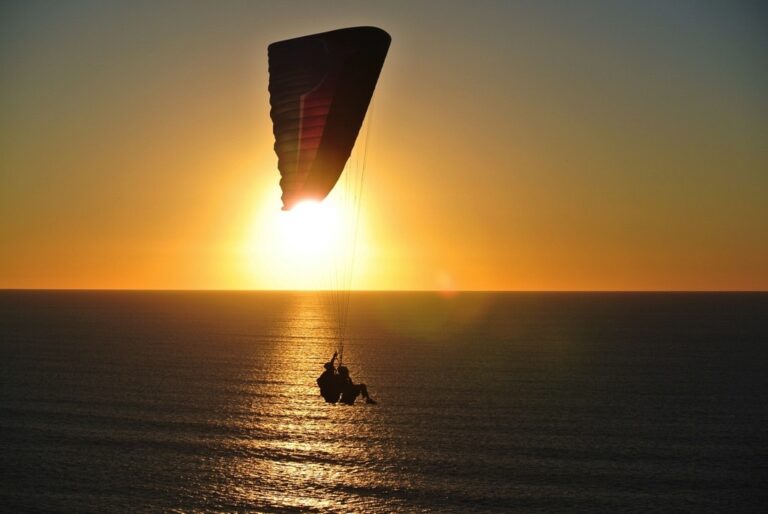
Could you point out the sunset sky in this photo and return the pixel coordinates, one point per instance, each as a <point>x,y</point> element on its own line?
<point>514,146</point>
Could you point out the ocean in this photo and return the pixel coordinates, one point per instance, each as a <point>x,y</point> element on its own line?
<point>488,402</point>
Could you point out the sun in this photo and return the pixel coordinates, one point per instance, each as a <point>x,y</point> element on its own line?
<point>310,230</point>
<point>312,246</point>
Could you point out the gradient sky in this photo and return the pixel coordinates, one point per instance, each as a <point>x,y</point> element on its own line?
<point>515,145</point>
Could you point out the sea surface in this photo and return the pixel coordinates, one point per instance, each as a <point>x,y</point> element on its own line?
<point>488,402</point>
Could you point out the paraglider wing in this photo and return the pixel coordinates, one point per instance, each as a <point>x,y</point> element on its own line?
<point>320,87</point>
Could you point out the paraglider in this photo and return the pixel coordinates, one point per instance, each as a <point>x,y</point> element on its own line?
<point>320,89</point>
<point>336,385</point>
<point>330,386</point>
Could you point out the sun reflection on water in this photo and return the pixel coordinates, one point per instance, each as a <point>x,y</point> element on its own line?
<point>297,452</point>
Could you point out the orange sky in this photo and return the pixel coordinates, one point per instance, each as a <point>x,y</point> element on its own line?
<point>534,146</point>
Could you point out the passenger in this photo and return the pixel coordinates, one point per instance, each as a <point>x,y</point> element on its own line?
<point>329,382</point>
<point>350,390</point>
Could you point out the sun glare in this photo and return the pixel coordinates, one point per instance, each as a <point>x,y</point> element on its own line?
<point>308,247</point>
<point>309,230</point>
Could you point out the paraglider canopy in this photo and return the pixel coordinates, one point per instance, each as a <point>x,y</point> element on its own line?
<point>320,87</point>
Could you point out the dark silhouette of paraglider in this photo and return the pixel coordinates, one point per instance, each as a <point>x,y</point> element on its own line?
<point>328,382</point>
<point>320,87</point>
<point>349,390</point>
<point>337,385</point>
